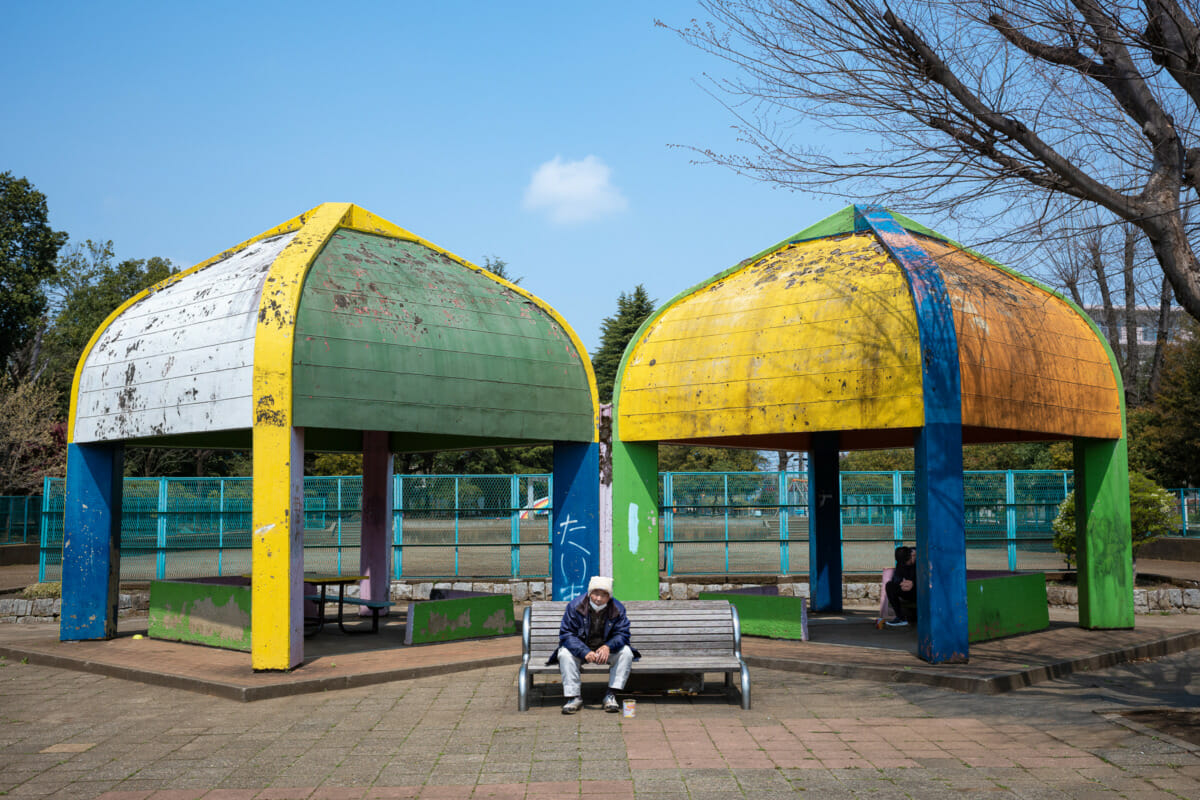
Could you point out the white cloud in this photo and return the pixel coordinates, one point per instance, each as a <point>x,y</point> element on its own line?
<point>574,191</point>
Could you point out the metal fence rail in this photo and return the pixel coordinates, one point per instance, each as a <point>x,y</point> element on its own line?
<point>498,526</point>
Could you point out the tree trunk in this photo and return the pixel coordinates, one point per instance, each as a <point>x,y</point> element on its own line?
<point>1133,392</point>
<point>1160,340</point>
<point>1169,239</point>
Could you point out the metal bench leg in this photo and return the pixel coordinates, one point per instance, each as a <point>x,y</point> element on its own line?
<point>523,687</point>
<point>745,688</point>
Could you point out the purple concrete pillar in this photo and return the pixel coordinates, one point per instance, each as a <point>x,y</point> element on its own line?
<point>375,553</point>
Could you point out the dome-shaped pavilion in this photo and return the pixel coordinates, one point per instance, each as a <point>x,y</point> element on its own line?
<point>334,331</point>
<point>867,331</point>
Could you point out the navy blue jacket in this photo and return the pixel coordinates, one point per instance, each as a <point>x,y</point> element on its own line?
<point>573,630</point>
<point>905,572</point>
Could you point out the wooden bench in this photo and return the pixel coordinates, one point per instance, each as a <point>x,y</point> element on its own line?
<point>697,636</point>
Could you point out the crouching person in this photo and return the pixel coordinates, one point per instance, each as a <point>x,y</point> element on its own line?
<point>594,630</point>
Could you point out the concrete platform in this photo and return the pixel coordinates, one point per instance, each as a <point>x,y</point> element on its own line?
<point>849,645</point>
<point>846,645</point>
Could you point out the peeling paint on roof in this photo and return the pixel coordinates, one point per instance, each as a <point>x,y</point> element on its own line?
<point>180,360</point>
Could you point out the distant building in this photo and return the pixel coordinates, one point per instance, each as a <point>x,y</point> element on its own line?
<point>1147,327</point>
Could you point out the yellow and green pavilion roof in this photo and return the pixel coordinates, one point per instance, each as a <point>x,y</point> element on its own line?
<point>832,330</point>
<point>336,321</point>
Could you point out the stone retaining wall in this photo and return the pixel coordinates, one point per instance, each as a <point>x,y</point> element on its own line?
<point>1171,600</point>
<point>46,609</point>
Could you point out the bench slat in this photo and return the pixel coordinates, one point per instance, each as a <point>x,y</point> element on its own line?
<point>639,635</point>
<point>653,646</point>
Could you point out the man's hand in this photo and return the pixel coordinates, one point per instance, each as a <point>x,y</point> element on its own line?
<point>598,656</point>
<point>906,585</point>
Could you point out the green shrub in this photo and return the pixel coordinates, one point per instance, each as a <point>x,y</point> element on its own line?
<point>39,591</point>
<point>1151,514</point>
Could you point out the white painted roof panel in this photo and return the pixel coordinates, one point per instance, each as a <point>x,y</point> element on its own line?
<point>180,360</point>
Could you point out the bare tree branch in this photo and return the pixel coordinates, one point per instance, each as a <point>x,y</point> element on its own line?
<point>964,107</point>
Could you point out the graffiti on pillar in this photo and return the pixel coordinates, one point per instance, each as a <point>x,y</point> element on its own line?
<point>574,560</point>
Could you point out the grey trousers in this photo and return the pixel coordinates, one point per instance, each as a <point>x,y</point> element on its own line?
<point>619,663</point>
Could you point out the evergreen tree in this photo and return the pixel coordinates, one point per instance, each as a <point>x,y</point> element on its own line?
<point>28,249</point>
<point>1165,438</point>
<point>615,332</point>
<point>683,458</point>
<point>499,267</point>
<point>89,288</point>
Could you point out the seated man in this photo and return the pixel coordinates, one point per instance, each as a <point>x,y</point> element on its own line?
<point>595,630</point>
<point>902,588</point>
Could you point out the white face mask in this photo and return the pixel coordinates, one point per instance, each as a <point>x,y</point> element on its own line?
<point>596,607</point>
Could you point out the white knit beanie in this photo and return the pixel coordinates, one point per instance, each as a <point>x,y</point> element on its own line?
<point>601,583</point>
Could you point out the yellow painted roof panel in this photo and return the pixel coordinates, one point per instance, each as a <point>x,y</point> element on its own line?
<point>817,336</point>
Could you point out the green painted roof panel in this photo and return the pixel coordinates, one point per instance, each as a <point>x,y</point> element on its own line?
<point>392,335</point>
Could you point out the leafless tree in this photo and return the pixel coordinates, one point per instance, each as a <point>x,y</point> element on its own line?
<point>32,444</point>
<point>976,107</point>
<point>1086,262</point>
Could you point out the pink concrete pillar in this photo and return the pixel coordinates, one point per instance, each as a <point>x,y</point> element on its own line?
<point>375,552</point>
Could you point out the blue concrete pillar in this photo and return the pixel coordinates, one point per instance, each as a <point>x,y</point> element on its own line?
<point>941,544</point>
<point>824,524</point>
<point>575,537</point>
<point>91,570</point>
<point>375,546</point>
<point>941,536</point>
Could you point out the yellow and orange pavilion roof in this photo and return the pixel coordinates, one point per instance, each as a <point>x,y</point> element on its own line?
<point>827,331</point>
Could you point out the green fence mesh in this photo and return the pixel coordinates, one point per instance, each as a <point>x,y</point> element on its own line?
<point>444,526</point>
<point>754,523</point>
<point>20,519</point>
<point>498,526</point>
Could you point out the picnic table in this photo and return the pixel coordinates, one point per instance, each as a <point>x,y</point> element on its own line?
<point>317,581</point>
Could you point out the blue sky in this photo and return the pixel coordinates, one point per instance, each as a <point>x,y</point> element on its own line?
<point>536,132</point>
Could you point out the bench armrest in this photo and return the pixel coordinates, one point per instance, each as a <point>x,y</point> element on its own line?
<point>525,633</point>
<point>737,632</point>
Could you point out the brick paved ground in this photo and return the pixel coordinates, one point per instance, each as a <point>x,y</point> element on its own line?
<point>67,734</point>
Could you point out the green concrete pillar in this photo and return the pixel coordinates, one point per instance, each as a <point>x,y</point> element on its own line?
<point>635,520</point>
<point>1103,541</point>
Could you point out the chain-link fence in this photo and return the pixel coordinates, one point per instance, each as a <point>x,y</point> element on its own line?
<point>443,526</point>
<point>498,526</point>
<point>757,522</point>
<point>20,519</point>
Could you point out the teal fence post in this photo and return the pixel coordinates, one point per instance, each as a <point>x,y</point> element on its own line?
<point>897,507</point>
<point>220,525</point>
<point>160,568</point>
<point>726,501</point>
<point>783,497</point>
<point>514,514</point>
<point>338,517</point>
<point>398,528</point>
<point>44,533</point>
<point>456,526</point>
<point>669,517</point>
<point>1010,518</point>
